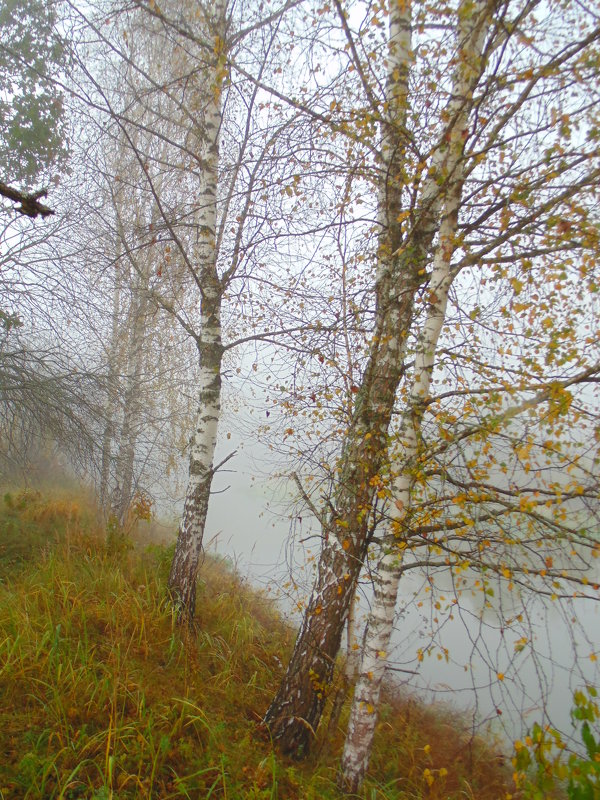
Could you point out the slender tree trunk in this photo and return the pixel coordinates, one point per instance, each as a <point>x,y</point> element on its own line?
<point>186,561</point>
<point>296,710</point>
<point>352,644</point>
<point>381,618</point>
<point>472,31</point>
<point>131,403</point>
<point>124,357</point>
<point>109,408</point>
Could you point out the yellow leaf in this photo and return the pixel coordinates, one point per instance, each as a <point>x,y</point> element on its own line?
<point>517,285</point>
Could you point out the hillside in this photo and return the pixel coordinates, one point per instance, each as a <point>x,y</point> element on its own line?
<point>102,697</point>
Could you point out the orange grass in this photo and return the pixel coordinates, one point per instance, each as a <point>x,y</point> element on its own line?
<point>101,696</point>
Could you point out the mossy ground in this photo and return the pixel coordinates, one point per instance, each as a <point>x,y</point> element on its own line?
<point>101,696</point>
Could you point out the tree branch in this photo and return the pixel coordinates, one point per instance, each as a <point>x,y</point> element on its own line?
<point>30,203</point>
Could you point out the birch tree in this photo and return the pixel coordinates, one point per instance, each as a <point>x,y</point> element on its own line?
<point>178,127</point>
<point>57,272</point>
<point>472,30</point>
<point>200,148</point>
<point>135,366</point>
<point>476,180</point>
<point>296,710</point>
<point>182,579</point>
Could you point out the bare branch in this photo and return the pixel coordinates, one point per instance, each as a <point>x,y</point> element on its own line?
<point>30,202</point>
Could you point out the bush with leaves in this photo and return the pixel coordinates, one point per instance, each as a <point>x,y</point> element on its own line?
<point>542,767</point>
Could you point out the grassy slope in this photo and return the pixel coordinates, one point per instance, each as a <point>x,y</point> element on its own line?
<point>100,697</point>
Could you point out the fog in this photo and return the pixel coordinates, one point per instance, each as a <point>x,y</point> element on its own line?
<point>252,522</point>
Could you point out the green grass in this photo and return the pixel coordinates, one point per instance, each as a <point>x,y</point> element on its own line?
<point>101,696</point>
<point>30,523</point>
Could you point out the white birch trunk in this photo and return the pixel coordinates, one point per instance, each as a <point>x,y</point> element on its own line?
<point>361,728</point>
<point>352,644</point>
<point>182,579</point>
<point>400,58</point>
<point>110,403</point>
<point>296,710</point>
<point>131,402</point>
<point>125,357</point>
<point>380,622</point>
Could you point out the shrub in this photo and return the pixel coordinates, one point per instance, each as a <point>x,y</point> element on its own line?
<point>545,768</point>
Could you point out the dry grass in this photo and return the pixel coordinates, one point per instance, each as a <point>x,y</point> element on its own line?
<point>101,697</point>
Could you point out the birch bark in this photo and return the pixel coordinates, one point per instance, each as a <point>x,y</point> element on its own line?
<point>131,401</point>
<point>296,710</point>
<point>125,362</point>
<point>402,269</point>
<point>184,569</point>
<point>363,717</point>
<point>472,31</point>
<point>112,378</point>
<point>111,400</point>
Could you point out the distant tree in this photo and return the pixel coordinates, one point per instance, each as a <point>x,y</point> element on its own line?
<point>42,402</point>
